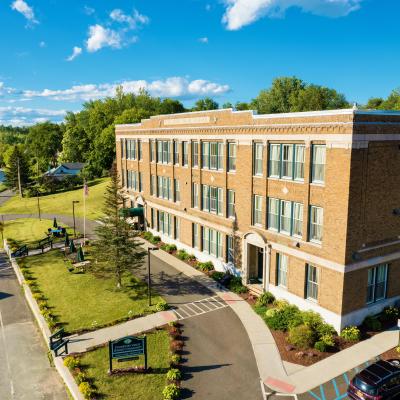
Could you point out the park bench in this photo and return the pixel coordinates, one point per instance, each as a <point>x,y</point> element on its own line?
<point>46,242</point>
<point>22,251</point>
<point>57,341</point>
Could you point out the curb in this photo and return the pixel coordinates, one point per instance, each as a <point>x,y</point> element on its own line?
<point>62,370</point>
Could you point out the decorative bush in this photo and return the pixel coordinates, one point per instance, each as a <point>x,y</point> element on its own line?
<point>174,375</point>
<point>312,319</point>
<point>170,248</point>
<point>164,247</point>
<point>282,318</point>
<point>205,266</point>
<point>81,377</point>
<point>176,359</point>
<point>162,306</point>
<point>389,314</point>
<point>280,304</point>
<point>328,340</point>
<point>351,333</point>
<point>147,236</point>
<point>72,362</point>
<point>325,329</point>
<point>182,254</point>
<point>265,299</point>
<point>372,323</point>
<point>271,312</point>
<point>301,336</point>
<point>87,390</point>
<point>235,285</point>
<point>171,392</point>
<point>155,239</point>
<point>217,275</point>
<point>320,346</point>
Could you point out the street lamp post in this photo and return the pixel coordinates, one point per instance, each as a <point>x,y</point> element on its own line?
<point>73,214</point>
<point>148,273</point>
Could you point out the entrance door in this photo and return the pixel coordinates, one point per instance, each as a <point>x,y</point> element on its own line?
<point>260,259</point>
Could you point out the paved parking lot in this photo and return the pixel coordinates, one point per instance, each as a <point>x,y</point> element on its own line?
<point>334,389</point>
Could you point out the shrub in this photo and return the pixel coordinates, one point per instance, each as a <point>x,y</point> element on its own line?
<point>87,390</point>
<point>301,336</point>
<point>171,392</point>
<point>174,375</point>
<point>320,346</point>
<point>147,236</point>
<point>372,323</point>
<point>398,349</point>
<point>182,254</point>
<point>217,275</point>
<point>205,266</point>
<point>235,285</point>
<point>389,314</point>
<point>81,377</point>
<point>312,319</point>
<point>155,239</point>
<point>325,329</point>
<point>72,362</point>
<point>328,340</point>
<point>164,247</point>
<point>280,304</point>
<point>270,312</point>
<point>281,319</point>
<point>176,359</point>
<point>162,306</point>
<point>351,333</point>
<point>265,299</point>
<point>170,248</point>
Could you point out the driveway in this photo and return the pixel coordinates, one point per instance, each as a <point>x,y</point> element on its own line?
<point>25,371</point>
<point>219,361</point>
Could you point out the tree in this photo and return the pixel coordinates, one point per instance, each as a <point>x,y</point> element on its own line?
<point>241,105</point>
<point>117,249</point>
<point>17,163</point>
<point>228,104</point>
<point>374,103</point>
<point>205,104</point>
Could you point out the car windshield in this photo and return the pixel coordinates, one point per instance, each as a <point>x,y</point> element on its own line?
<point>365,387</point>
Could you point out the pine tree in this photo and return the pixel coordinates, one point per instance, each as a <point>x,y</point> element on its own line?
<point>117,250</point>
<point>17,161</point>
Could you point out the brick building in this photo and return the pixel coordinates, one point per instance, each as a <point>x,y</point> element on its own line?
<point>305,205</point>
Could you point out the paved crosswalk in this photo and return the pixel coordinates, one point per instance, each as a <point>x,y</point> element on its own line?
<point>199,307</point>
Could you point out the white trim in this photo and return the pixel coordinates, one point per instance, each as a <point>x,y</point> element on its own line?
<point>379,246</point>
<point>372,262</point>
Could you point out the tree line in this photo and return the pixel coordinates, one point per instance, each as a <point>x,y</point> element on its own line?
<point>88,135</point>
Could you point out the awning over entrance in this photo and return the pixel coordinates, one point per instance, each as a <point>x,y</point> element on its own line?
<point>132,212</point>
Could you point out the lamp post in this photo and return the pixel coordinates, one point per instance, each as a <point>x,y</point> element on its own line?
<point>149,249</point>
<point>73,213</point>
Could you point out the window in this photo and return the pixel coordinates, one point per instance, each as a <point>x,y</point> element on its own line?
<point>195,235</point>
<point>159,151</point>
<point>231,203</point>
<point>230,256</point>
<point>285,217</point>
<point>139,149</point>
<point>140,181</point>
<point>377,283</point>
<point>177,228</point>
<point>273,214</point>
<point>185,154</point>
<point>299,154</point>
<point>152,151</point>
<point>287,161</point>
<point>316,223</point>
<point>258,159</point>
<point>274,160</point>
<point>297,219</point>
<point>212,199</point>
<point>282,268</point>
<point>131,149</point>
<point>163,151</point>
<point>132,180</point>
<point>153,187</point>
<point>312,282</point>
<point>176,152</point>
<point>164,223</point>
<point>177,190</point>
<point>257,210</point>
<point>212,242</point>
<point>318,163</point>
<point>122,148</point>
<point>212,155</point>
<point>152,218</point>
<point>164,187</point>
<point>195,154</point>
<point>195,195</point>
<point>231,157</point>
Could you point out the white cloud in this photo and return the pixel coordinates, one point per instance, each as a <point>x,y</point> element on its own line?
<point>89,10</point>
<point>208,7</point>
<point>203,40</point>
<point>177,87</point>
<point>42,44</point>
<point>100,37</point>
<point>244,12</point>
<point>22,7</point>
<point>76,51</point>
<point>133,21</point>
<point>20,116</point>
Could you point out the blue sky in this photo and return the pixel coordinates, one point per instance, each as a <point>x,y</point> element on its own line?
<point>56,54</point>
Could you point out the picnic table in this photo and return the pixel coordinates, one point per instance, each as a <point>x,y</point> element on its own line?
<point>57,232</point>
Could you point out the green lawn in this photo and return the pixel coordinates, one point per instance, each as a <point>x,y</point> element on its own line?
<point>134,386</point>
<point>2,187</point>
<point>83,301</point>
<point>27,230</point>
<point>61,203</point>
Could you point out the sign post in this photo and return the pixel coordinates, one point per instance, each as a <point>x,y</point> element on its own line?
<point>128,348</point>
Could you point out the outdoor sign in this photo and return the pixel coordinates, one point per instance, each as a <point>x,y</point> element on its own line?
<point>128,348</point>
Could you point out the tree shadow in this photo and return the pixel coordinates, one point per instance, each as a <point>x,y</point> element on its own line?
<point>4,295</point>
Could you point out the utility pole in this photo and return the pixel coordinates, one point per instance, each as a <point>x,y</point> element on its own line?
<point>73,213</point>
<point>19,179</point>
<point>38,204</point>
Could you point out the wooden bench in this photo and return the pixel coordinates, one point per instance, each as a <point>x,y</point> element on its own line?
<point>57,342</point>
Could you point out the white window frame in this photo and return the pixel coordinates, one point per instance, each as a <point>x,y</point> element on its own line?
<point>273,216</point>
<point>287,161</point>
<point>185,154</point>
<point>230,200</point>
<point>195,154</point>
<point>285,206</point>
<point>320,179</point>
<point>258,158</point>
<point>177,192</point>
<point>297,223</point>
<point>274,170</point>
<point>195,195</point>
<point>232,149</point>
<point>313,223</point>
<point>373,284</point>
<point>282,266</point>
<point>195,236</point>
<point>257,210</point>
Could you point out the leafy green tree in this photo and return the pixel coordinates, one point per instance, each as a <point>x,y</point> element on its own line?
<point>374,103</point>
<point>17,162</point>
<point>392,102</point>
<point>117,249</point>
<point>170,106</point>
<point>228,104</point>
<point>241,106</point>
<point>205,104</point>
<point>44,143</point>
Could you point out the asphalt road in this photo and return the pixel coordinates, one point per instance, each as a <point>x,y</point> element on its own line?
<point>219,360</point>
<point>25,371</point>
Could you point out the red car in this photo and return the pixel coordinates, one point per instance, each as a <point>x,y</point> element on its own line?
<point>379,381</point>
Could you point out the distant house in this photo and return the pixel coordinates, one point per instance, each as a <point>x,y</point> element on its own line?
<point>65,170</point>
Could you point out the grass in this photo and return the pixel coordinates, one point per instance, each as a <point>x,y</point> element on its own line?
<point>134,386</point>
<point>2,187</point>
<point>27,230</point>
<point>83,301</point>
<point>61,203</point>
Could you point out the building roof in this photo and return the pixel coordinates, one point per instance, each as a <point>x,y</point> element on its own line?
<point>76,165</point>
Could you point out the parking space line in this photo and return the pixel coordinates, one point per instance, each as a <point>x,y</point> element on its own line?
<point>314,395</point>
<point>201,310</point>
<point>321,388</point>
<point>205,305</point>
<point>335,387</point>
<point>346,378</point>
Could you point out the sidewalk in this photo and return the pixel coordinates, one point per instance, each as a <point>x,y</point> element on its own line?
<point>270,366</point>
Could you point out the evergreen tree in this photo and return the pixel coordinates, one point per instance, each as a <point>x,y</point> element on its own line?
<point>117,249</point>
<point>17,160</point>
